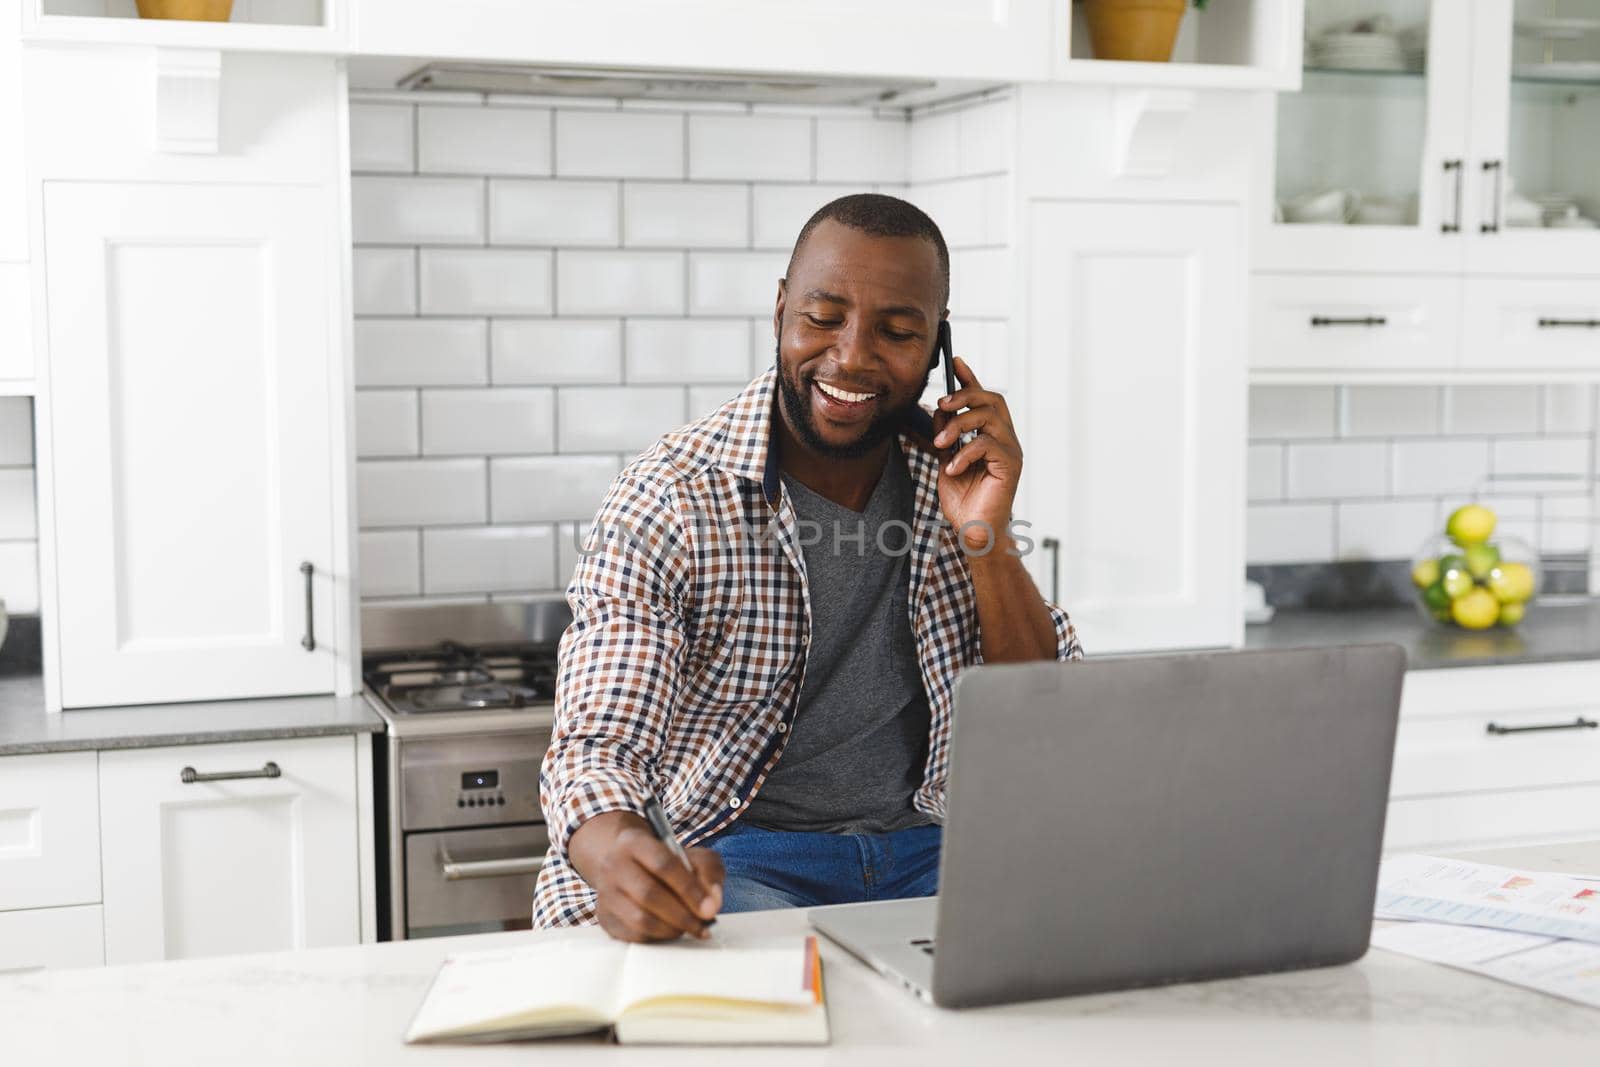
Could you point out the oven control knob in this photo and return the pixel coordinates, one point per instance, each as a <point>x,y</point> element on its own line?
<point>501,801</point>
<point>460,803</point>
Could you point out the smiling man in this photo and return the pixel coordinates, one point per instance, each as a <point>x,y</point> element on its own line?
<point>774,606</point>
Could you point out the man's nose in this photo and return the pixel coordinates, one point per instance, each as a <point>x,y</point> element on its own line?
<point>852,346</point>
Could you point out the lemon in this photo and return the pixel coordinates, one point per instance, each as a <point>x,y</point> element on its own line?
<point>1470,524</point>
<point>1511,614</point>
<point>1477,610</point>
<point>1457,583</point>
<point>1511,583</point>
<point>1425,573</point>
<point>1481,560</point>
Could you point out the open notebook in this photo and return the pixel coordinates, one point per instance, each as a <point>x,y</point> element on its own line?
<point>756,992</point>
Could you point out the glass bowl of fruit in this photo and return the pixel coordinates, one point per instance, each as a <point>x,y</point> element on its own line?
<point>1468,578</point>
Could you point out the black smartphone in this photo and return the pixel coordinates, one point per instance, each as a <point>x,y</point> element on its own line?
<point>947,356</point>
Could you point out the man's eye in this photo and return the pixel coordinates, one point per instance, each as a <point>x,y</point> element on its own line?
<point>827,323</point>
<point>898,335</point>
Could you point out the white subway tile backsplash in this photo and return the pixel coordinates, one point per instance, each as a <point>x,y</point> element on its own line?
<point>996,209</point>
<point>935,146</point>
<point>980,282</point>
<point>19,576</point>
<point>18,518</point>
<point>483,140</point>
<point>1547,456</point>
<point>1492,409</point>
<point>16,431</point>
<point>1265,472</point>
<point>1566,524</point>
<point>1321,471</point>
<point>685,215</point>
<point>619,144</point>
<point>1283,411</point>
<point>384,281</point>
<point>781,210</point>
<point>1442,466</point>
<point>571,537</point>
<point>704,399</point>
<point>421,352</point>
<point>486,281</point>
<point>958,209</point>
<point>391,562</point>
<point>1384,529</point>
<point>489,559</point>
<point>985,137</point>
<point>1569,409</point>
<point>382,138</point>
<point>734,283</point>
<point>763,344</point>
<point>625,419</point>
<point>555,212</point>
<point>750,147</point>
<point>687,350</point>
<point>417,211</point>
<point>1289,533</point>
<point>421,492</point>
<point>1392,410</point>
<point>1518,516</point>
<point>483,422</point>
<point>862,149</point>
<point>619,283</point>
<point>386,422</point>
<point>548,488</point>
<point>557,351</point>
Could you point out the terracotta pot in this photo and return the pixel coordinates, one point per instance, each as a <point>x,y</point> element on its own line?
<point>197,10</point>
<point>1141,30</point>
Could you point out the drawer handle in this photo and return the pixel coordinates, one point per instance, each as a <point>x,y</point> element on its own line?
<point>455,871</point>
<point>1582,324</point>
<point>268,770</point>
<point>1363,320</point>
<point>1453,166</point>
<point>1580,723</point>
<point>309,640</point>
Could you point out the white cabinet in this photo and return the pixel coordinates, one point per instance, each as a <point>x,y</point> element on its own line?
<point>1135,407</point>
<point>945,39</point>
<point>1332,322</point>
<point>1490,756</point>
<point>49,831</point>
<point>193,340</point>
<point>51,937</point>
<point>245,864</point>
<point>16,336</point>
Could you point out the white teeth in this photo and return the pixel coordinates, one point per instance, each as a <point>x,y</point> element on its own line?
<point>840,394</point>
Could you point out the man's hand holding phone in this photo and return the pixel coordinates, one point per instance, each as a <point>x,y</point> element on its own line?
<point>643,891</point>
<point>979,476</point>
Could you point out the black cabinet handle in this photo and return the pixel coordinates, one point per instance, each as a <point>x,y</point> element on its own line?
<point>268,770</point>
<point>1580,723</point>
<point>309,640</point>
<point>1581,324</point>
<point>1053,546</point>
<point>1364,320</point>
<point>1454,225</point>
<point>1499,180</point>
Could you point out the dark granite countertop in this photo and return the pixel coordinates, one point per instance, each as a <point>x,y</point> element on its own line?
<point>1551,633</point>
<point>25,727</point>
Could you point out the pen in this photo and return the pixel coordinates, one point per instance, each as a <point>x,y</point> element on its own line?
<point>656,816</point>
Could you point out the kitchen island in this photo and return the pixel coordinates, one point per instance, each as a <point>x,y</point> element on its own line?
<point>351,1006</point>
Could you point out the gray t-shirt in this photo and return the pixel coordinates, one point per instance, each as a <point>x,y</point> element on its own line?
<point>860,737</point>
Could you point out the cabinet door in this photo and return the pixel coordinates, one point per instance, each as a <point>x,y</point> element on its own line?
<point>191,344</point>
<point>1524,324</point>
<point>1342,322</point>
<point>51,937</point>
<point>1370,161</point>
<point>49,831</point>
<point>1535,154</point>
<point>1136,430</point>
<point>206,868</point>
<point>916,38</point>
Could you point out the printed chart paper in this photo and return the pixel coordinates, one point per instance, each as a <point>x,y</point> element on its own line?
<point>1563,968</point>
<point>1436,890</point>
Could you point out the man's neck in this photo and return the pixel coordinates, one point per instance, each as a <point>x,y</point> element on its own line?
<point>848,482</point>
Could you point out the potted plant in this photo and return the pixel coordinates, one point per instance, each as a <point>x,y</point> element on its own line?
<point>1142,30</point>
<point>198,10</point>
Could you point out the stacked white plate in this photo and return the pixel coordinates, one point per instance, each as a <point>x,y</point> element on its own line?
<point>1357,51</point>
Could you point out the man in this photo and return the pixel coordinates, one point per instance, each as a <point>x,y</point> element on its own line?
<point>788,697</point>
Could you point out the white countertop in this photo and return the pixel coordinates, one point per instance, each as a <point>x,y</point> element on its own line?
<point>349,1006</point>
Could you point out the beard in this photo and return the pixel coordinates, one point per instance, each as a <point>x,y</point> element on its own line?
<point>796,400</point>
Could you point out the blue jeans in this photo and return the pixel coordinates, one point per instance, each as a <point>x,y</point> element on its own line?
<point>784,869</point>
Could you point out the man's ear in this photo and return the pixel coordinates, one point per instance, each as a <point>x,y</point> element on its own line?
<point>777,311</point>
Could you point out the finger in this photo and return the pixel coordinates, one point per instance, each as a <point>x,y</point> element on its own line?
<point>964,373</point>
<point>709,866</point>
<point>653,896</point>
<point>683,882</point>
<point>984,420</point>
<point>641,924</point>
<point>975,397</point>
<point>985,449</point>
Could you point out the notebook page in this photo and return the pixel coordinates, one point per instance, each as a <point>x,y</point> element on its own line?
<point>574,978</point>
<point>768,972</point>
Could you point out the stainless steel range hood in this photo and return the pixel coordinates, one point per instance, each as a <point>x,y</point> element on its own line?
<point>662,85</point>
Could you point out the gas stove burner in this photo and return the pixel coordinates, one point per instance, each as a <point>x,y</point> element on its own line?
<point>463,676</point>
<point>497,696</point>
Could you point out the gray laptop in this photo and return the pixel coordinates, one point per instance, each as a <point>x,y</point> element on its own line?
<point>1137,821</point>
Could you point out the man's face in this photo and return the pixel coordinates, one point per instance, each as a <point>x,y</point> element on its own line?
<point>858,314</point>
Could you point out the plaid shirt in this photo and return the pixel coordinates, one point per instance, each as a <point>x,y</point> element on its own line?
<point>682,667</point>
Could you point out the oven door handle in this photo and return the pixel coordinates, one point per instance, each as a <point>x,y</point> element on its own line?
<point>455,871</point>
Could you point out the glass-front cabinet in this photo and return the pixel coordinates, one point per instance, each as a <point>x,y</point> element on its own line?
<point>1435,190</point>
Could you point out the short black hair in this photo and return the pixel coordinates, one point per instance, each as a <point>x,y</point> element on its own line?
<point>881,216</point>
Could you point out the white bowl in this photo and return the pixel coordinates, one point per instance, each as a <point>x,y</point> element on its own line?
<point>1334,206</point>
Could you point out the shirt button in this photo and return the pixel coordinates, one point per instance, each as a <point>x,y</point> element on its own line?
<point>805,640</point>
<point>734,803</point>
<point>783,727</point>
